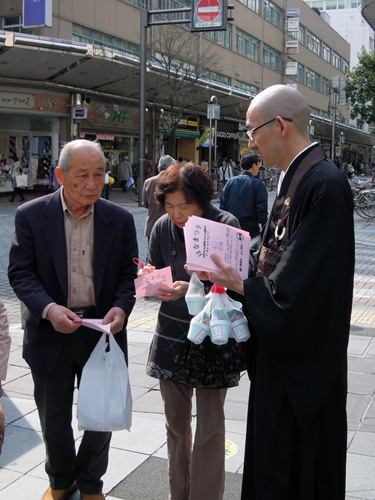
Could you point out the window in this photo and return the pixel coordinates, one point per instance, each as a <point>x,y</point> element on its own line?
<point>216,77</point>
<point>327,52</point>
<point>336,60</point>
<point>312,79</point>
<point>271,58</point>
<point>14,23</point>
<point>87,35</point>
<point>300,35</point>
<point>325,86</point>
<point>223,38</point>
<point>273,14</point>
<point>246,86</point>
<point>167,4</point>
<point>300,76</point>
<point>247,45</point>
<point>345,66</point>
<point>252,4</point>
<point>313,42</point>
<point>314,111</point>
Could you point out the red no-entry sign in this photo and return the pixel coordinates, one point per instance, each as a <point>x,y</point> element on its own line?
<point>208,10</point>
<point>209,15</point>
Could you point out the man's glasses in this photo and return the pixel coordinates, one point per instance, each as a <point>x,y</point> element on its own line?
<point>250,133</point>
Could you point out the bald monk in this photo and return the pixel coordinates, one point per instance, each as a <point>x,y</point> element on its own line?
<point>298,302</point>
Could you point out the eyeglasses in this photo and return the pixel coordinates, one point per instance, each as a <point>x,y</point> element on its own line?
<point>250,133</point>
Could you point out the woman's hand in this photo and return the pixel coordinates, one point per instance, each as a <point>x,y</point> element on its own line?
<point>146,270</point>
<point>178,290</point>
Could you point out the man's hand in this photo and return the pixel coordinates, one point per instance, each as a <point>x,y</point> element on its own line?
<point>227,277</point>
<point>116,316</point>
<point>178,290</point>
<point>63,319</point>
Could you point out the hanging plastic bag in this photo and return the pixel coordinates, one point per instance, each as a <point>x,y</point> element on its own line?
<point>240,327</point>
<point>129,182</point>
<point>194,297</point>
<point>199,327</point>
<point>220,326</point>
<point>104,396</point>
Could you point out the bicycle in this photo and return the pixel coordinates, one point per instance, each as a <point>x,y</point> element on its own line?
<point>364,203</point>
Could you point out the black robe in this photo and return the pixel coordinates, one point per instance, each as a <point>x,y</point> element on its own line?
<point>297,355</point>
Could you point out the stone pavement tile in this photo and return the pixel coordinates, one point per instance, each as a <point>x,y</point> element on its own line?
<point>121,464</point>
<point>235,411</point>
<point>137,376</point>
<point>234,451</point>
<point>23,385</point>
<point>362,365</point>
<point>146,436</point>
<point>14,372</point>
<point>7,477</point>
<point>358,345</point>
<point>24,486</point>
<point>371,351</point>
<point>16,358</point>
<point>360,477</point>
<point>149,403</point>
<point>356,407</point>
<point>361,383</point>
<point>139,336</point>
<point>138,353</point>
<point>17,408</point>
<point>368,422</point>
<point>23,449</point>
<point>363,443</point>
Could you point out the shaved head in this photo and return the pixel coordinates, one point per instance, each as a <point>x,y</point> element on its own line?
<point>285,101</point>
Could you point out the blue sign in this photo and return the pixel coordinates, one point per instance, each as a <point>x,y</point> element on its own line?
<point>79,113</point>
<point>37,13</point>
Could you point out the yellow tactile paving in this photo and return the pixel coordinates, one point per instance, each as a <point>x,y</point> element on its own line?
<point>142,322</point>
<point>363,317</point>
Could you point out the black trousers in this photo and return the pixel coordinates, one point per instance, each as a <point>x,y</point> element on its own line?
<point>54,399</point>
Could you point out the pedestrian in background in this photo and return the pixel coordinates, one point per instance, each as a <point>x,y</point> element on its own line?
<point>5,342</point>
<point>15,170</point>
<point>246,197</point>
<point>124,172</point>
<point>224,173</point>
<point>155,211</point>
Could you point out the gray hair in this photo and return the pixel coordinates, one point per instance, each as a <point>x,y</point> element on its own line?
<point>65,158</point>
<point>165,161</point>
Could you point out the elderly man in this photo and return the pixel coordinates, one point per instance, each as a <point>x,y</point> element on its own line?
<point>298,301</point>
<point>71,258</point>
<point>245,197</point>
<point>148,198</point>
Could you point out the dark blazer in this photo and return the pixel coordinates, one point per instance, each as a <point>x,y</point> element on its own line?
<point>38,270</point>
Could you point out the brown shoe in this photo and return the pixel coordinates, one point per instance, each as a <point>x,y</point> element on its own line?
<point>97,496</point>
<point>51,494</point>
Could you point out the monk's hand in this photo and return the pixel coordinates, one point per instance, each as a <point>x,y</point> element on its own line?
<point>227,276</point>
<point>63,319</point>
<point>116,316</point>
<point>178,290</point>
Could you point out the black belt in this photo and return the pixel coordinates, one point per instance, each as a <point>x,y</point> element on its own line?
<point>85,312</point>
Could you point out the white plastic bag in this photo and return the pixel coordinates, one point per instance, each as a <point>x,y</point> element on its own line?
<point>194,297</point>
<point>104,396</point>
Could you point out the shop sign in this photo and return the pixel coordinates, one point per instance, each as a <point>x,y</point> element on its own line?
<point>115,115</point>
<point>37,13</point>
<point>293,24</point>
<point>105,137</point>
<point>40,125</point>
<point>79,113</point>
<point>18,101</point>
<point>228,135</point>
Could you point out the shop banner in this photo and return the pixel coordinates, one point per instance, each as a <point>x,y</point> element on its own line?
<point>37,13</point>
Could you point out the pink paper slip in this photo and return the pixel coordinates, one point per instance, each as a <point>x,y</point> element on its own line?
<point>96,324</point>
<point>147,285</point>
<point>204,237</point>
